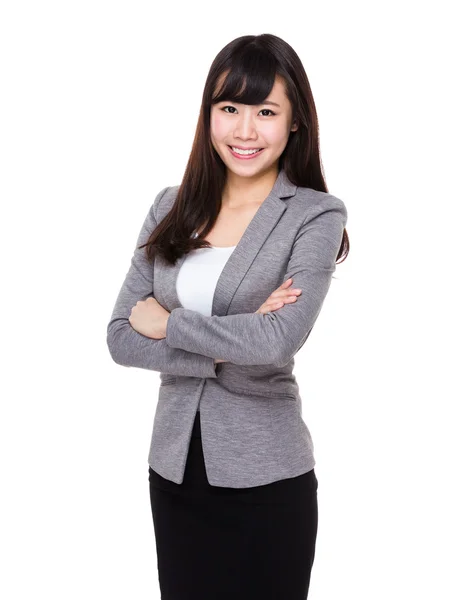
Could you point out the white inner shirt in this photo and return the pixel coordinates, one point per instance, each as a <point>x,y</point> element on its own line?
<point>198,277</point>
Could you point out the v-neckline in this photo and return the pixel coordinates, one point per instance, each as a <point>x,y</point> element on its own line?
<point>244,253</point>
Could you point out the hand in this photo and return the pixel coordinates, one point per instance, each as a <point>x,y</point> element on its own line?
<point>282,295</point>
<point>149,318</point>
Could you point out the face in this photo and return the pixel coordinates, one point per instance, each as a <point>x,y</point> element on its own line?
<point>266,126</point>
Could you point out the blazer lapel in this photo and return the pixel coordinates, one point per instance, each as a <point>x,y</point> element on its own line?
<point>239,261</point>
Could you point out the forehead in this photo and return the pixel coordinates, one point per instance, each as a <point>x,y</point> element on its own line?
<point>250,90</point>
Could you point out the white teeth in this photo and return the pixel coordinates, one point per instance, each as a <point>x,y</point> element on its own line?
<point>239,151</point>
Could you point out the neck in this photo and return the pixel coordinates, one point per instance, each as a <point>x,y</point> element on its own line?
<point>242,191</point>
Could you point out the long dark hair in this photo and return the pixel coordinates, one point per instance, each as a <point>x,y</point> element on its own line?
<point>251,63</point>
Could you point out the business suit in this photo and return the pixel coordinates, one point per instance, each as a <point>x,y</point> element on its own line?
<point>252,430</point>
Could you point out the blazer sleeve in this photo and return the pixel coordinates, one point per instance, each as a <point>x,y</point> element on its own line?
<point>274,337</point>
<point>132,349</point>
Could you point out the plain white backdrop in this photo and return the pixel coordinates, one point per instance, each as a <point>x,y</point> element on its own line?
<point>99,104</point>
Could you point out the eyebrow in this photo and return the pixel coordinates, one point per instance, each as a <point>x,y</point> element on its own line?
<point>265,102</point>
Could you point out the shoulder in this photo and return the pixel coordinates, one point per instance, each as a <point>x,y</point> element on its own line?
<point>309,203</point>
<point>306,203</point>
<point>164,201</point>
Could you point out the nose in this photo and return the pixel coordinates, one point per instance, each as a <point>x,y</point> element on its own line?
<point>245,126</point>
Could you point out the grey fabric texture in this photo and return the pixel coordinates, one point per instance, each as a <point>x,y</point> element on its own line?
<point>252,428</point>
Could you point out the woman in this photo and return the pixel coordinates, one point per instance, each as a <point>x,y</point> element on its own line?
<point>232,486</point>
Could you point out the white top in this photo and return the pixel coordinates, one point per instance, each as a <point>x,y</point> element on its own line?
<point>198,277</point>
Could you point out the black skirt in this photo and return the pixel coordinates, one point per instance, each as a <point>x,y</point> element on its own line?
<point>216,543</point>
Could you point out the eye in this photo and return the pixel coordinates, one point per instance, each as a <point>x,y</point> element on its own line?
<point>264,109</point>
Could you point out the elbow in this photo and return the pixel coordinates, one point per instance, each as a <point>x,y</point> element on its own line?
<point>285,357</point>
<point>282,360</point>
<point>289,350</point>
<point>281,353</point>
<point>114,347</point>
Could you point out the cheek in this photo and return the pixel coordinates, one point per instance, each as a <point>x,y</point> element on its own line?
<point>218,127</point>
<point>275,134</point>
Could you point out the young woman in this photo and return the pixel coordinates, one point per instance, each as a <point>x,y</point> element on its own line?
<point>227,280</point>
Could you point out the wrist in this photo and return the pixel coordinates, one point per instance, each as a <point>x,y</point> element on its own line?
<point>165,324</point>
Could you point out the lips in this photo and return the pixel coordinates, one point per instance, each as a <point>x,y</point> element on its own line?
<point>245,156</point>
<point>240,148</point>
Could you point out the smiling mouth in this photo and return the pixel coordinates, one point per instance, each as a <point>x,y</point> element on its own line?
<point>242,156</point>
<point>258,149</point>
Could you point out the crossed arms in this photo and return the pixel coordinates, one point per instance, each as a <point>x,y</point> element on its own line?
<point>192,339</point>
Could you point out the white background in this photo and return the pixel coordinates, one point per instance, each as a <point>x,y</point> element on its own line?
<point>99,104</point>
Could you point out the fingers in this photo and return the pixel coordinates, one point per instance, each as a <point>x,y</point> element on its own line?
<point>284,291</point>
<point>282,295</point>
<point>271,304</point>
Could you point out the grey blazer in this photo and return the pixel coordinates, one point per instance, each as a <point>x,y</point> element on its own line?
<point>250,407</point>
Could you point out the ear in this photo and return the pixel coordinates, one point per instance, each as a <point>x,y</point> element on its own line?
<point>294,127</point>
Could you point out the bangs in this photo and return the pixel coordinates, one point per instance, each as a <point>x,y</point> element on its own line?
<point>250,78</point>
